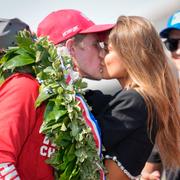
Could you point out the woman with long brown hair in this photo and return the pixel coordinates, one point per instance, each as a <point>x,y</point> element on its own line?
<point>146,110</point>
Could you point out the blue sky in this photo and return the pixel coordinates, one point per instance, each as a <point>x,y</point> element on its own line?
<point>100,11</point>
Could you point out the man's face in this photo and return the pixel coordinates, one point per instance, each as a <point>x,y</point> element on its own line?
<point>175,37</point>
<point>87,56</point>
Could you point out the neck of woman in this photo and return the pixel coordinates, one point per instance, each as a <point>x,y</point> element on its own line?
<point>124,82</point>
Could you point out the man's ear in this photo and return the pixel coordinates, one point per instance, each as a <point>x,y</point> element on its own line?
<point>70,46</point>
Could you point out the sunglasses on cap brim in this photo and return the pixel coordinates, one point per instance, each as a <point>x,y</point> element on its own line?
<point>172,44</point>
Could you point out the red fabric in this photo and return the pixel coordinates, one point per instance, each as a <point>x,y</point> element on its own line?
<point>20,140</point>
<point>63,24</point>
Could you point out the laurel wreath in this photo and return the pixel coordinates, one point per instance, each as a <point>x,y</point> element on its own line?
<point>76,155</point>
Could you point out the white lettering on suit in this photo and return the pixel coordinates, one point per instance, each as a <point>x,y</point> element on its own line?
<point>48,148</point>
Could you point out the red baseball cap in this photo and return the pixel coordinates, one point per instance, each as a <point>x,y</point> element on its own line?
<point>63,24</point>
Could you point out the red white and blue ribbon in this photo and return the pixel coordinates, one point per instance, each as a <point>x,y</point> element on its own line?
<point>92,123</point>
<point>70,77</point>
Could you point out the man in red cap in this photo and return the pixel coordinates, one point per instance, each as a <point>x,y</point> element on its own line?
<point>23,150</point>
<point>81,37</point>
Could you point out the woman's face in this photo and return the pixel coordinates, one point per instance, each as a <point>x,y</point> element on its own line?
<point>112,65</point>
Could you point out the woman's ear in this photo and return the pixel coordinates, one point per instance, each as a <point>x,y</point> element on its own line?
<point>70,46</point>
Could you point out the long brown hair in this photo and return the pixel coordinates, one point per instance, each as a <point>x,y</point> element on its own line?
<point>141,50</point>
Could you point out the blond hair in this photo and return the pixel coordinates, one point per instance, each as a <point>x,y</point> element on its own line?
<point>141,50</point>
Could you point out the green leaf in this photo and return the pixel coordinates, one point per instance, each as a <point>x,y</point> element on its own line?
<point>63,138</point>
<point>42,55</point>
<point>80,85</point>
<point>1,80</point>
<point>25,41</point>
<point>75,128</point>
<point>19,60</point>
<point>43,95</point>
<point>60,113</point>
<point>75,175</point>
<point>68,171</point>
<point>63,127</point>
<point>9,54</point>
<point>49,108</point>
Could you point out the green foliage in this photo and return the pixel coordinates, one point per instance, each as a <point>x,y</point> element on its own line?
<point>76,155</point>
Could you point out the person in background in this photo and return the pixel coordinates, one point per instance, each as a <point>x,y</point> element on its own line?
<point>23,150</point>
<point>146,110</point>
<point>172,36</point>
<point>154,167</point>
<point>9,28</point>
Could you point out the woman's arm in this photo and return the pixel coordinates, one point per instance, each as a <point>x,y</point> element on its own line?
<point>153,167</point>
<point>114,172</point>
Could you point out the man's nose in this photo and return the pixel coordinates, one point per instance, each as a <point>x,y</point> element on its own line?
<point>102,53</point>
